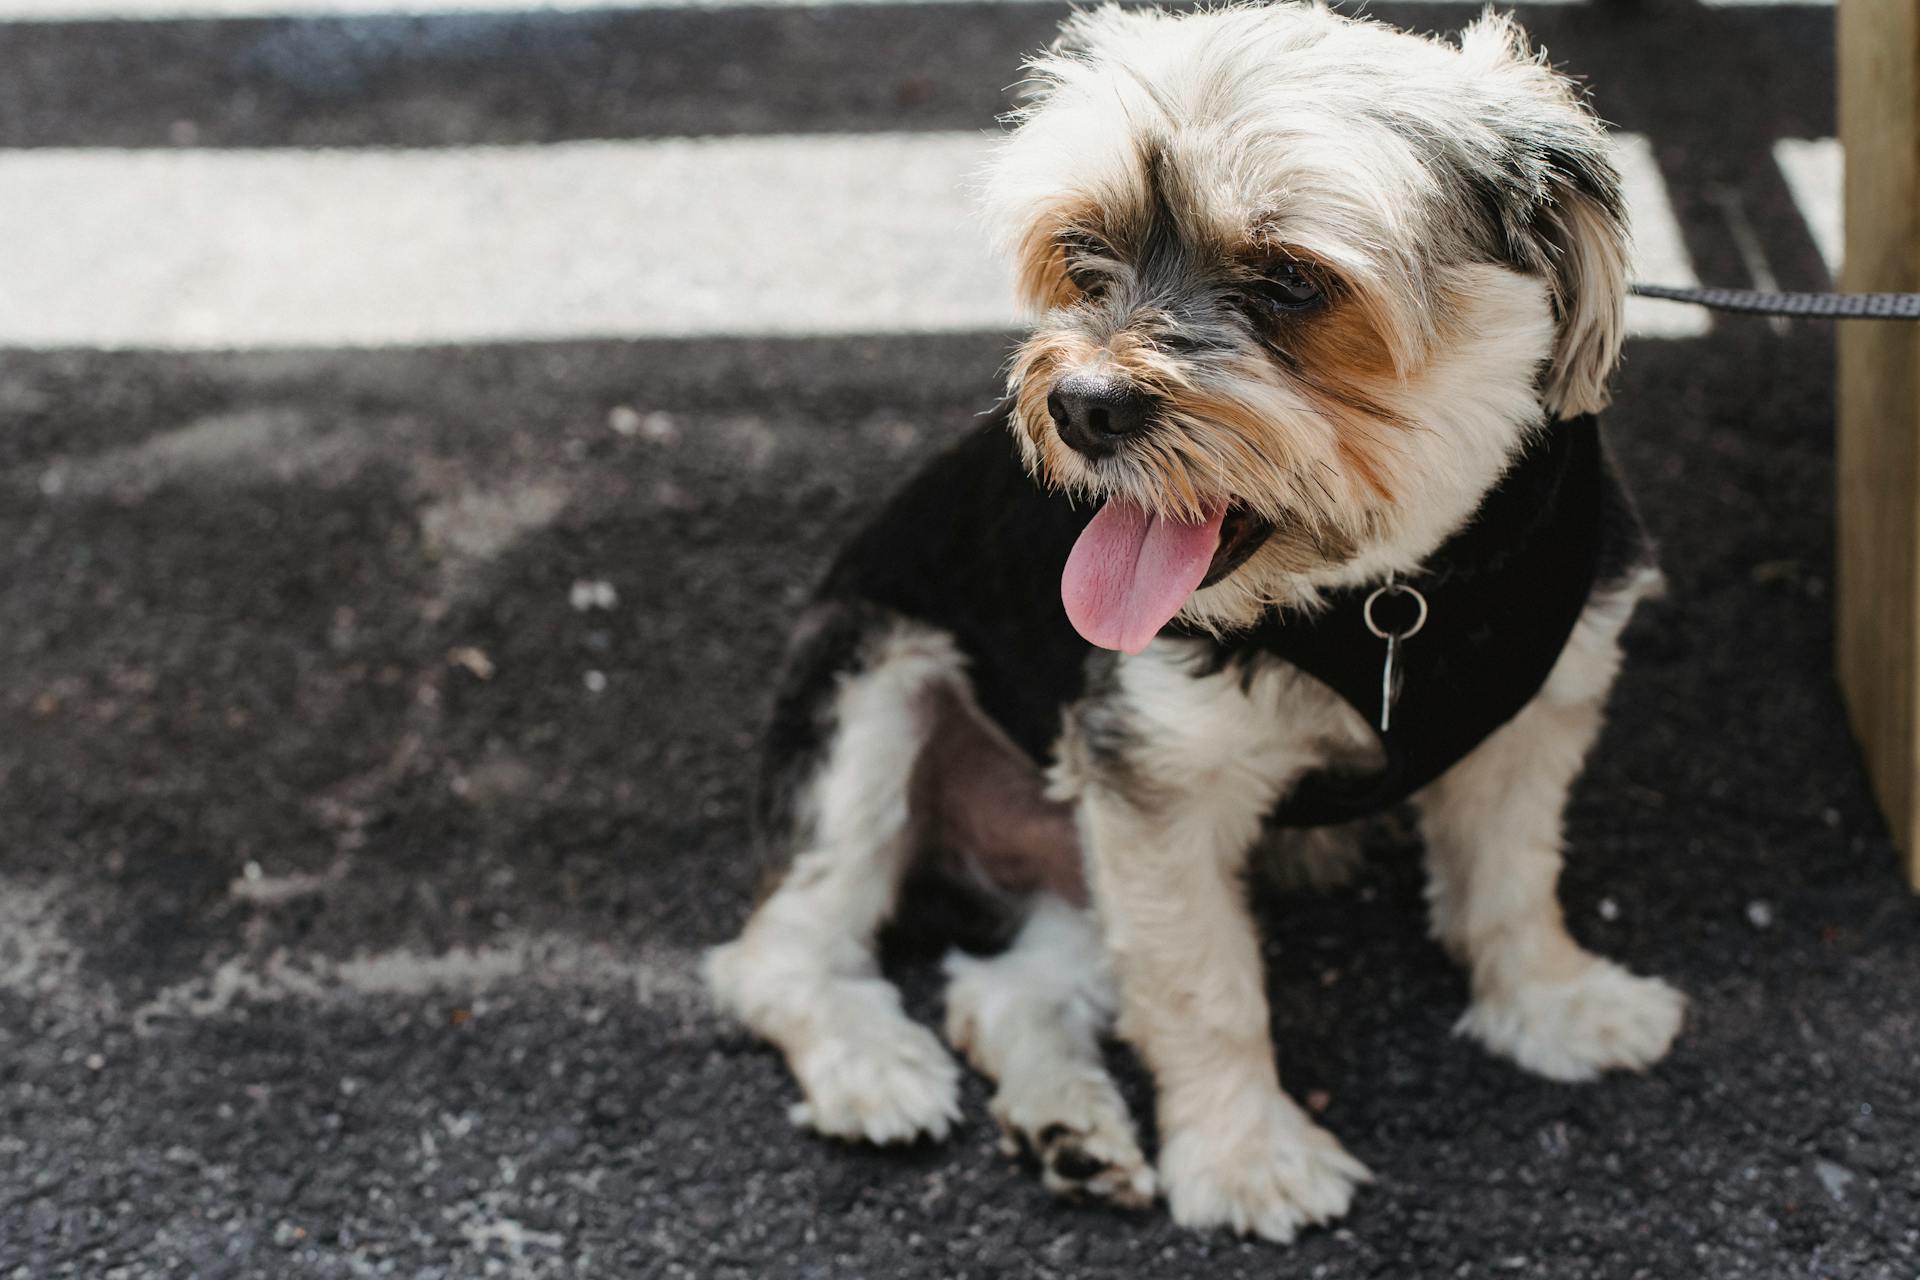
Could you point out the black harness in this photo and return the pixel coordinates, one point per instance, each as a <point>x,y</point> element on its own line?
<point>1502,595</point>
<point>973,546</point>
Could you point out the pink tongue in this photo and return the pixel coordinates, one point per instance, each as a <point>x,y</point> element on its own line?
<point>1131,571</point>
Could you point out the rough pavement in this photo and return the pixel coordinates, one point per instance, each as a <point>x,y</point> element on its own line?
<point>356,846</point>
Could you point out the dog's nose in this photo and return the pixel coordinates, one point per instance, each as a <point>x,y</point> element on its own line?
<point>1094,412</point>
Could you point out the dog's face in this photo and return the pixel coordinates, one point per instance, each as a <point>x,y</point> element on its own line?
<point>1304,286</point>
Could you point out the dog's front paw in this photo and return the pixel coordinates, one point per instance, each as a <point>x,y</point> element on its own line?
<point>1269,1178</point>
<point>1077,1127</point>
<point>888,1081</point>
<point>1571,1030</point>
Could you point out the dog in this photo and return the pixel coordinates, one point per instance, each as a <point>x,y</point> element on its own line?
<point>1296,509</point>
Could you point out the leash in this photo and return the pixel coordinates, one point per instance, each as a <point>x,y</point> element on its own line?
<point>1811,306</point>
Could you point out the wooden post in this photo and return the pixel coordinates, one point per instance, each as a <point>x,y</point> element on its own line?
<point>1878,578</point>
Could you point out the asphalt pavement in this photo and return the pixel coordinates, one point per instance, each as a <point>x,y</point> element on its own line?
<point>376,727</point>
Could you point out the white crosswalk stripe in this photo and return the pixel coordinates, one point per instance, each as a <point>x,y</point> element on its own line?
<point>235,249</point>
<point>1814,171</point>
<point>815,235</point>
<point>1660,250</point>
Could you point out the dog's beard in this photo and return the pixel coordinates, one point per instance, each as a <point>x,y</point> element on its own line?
<point>1315,481</point>
<point>1235,466</point>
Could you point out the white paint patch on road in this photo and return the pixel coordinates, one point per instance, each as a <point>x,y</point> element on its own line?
<point>407,973</point>
<point>197,250</point>
<point>256,888</point>
<point>660,979</point>
<point>233,981</point>
<point>246,446</point>
<point>475,524</point>
<point>173,10</point>
<point>1659,249</point>
<point>41,962</point>
<point>37,960</point>
<point>793,236</point>
<point>484,1234</point>
<point>657,976</point>
<point>468,529</point>
<point>1815,170</point>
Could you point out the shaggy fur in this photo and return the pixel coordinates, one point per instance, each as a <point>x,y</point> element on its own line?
<point>1354,280</point>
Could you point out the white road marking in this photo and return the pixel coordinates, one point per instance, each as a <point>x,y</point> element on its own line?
<point>230,250</point>
<point>1659,250</point>
<point>198,249</point>
<point>41,961</point>
<point>659,979</point>
<point>37,959</point>
<point>1815,171</point>
<point>174,10</point>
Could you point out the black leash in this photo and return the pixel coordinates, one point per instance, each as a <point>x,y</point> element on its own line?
<point>1813,306</point>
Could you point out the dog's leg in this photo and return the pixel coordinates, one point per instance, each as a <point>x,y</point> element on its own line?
<point>803,973</point>
<point>1030,1019</point>
<point>1172,775</point>
<point>1493,831</point>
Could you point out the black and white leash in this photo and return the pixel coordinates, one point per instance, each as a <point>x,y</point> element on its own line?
<point>1811,306</point>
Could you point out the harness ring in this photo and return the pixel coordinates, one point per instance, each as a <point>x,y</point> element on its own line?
<point>1395,588</point>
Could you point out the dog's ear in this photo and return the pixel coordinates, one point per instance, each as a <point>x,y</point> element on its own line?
<point>1584,227</point>
<point>1562,212</point>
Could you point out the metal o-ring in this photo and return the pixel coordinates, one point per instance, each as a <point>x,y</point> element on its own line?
<point>1396,588</point>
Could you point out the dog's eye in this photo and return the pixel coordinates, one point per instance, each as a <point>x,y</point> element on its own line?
<point>1086,261</point>
<point>1287,286</point>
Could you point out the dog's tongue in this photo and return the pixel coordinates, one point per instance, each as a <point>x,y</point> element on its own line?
<point>1132,570</point>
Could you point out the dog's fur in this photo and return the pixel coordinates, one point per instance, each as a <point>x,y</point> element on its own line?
<point>1459,221</point>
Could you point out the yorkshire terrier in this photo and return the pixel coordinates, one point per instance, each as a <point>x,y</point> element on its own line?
<point>1297,509</point>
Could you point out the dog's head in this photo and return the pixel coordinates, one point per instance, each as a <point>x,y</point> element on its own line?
<point>1303,285</point>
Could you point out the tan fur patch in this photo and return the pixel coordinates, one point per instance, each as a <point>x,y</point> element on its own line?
<point>1040,258</point>
<point>1315,433</point>
<point>1342,359</point>
<point>1347,361</point>
<point>1343,344</point>
<point>1362,461</point>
